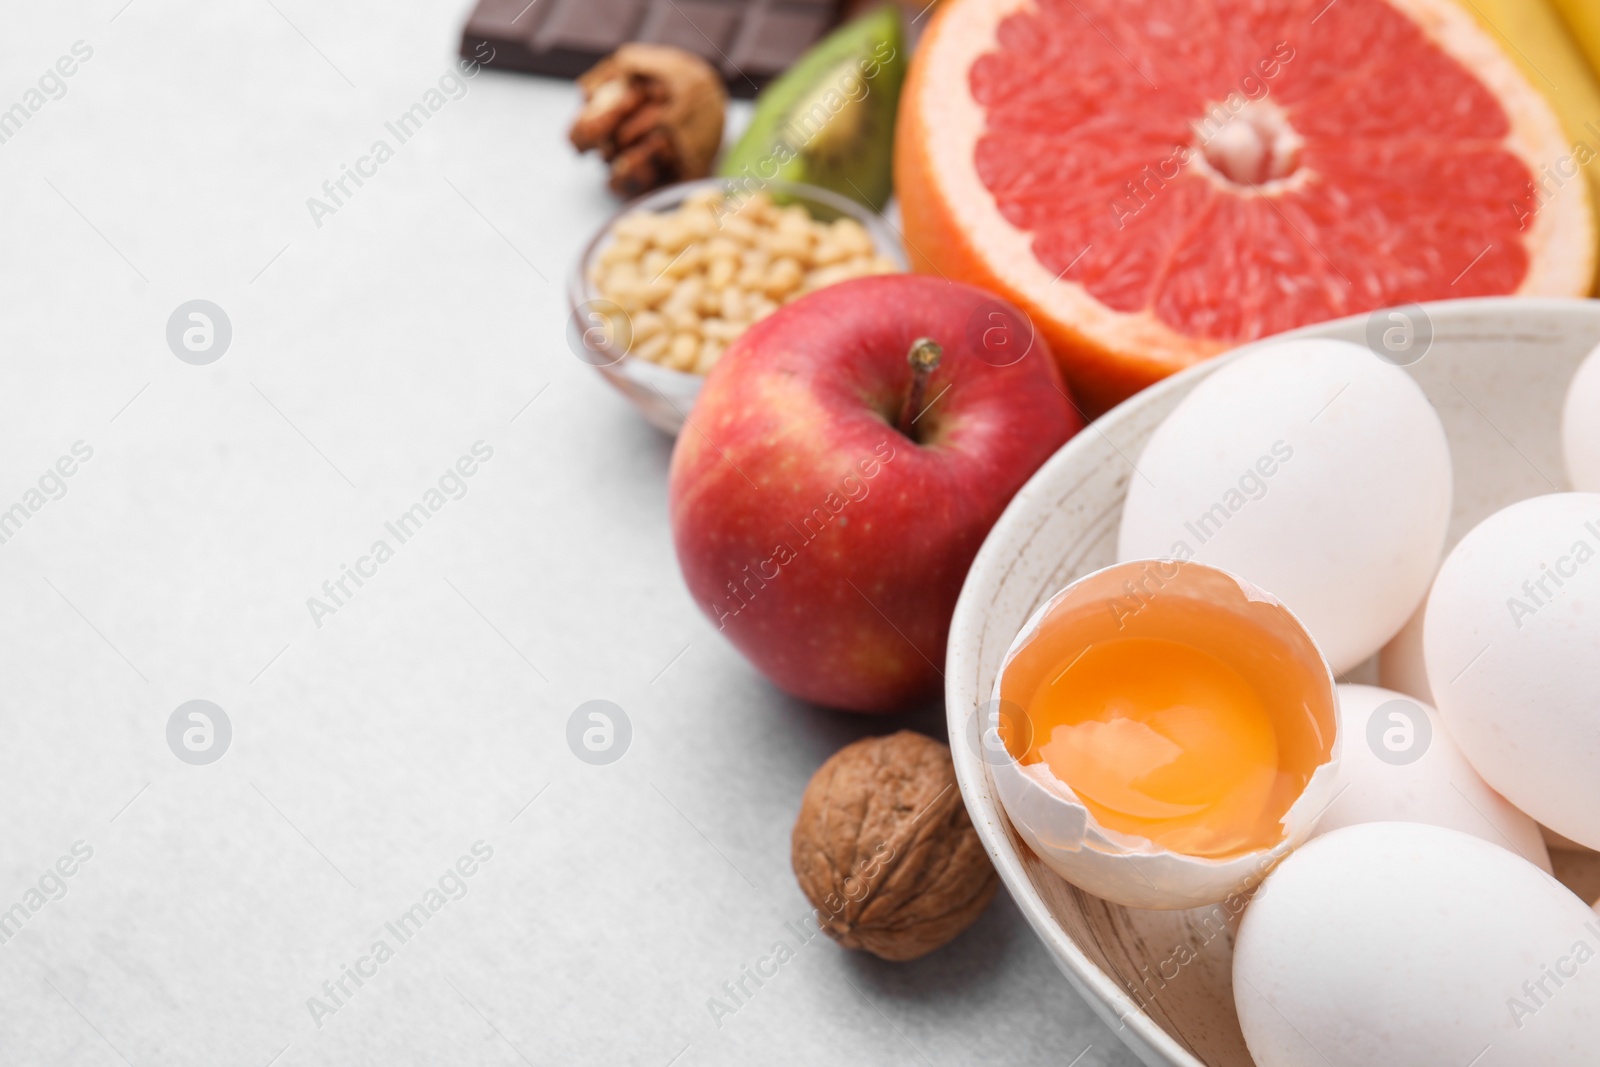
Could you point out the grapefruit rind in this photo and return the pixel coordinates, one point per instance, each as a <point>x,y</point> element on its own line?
<point>954,227</point>
<point>1561,243</point>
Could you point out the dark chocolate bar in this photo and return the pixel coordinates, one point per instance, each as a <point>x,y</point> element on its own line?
<point>750,42</point>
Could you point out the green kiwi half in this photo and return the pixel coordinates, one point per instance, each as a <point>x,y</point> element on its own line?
<point>829,119</point>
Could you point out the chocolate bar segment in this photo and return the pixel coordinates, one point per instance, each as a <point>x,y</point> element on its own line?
<point>767,43</point>
<point>499,33</point>
<point>750,42</point>
<point>694,26</point>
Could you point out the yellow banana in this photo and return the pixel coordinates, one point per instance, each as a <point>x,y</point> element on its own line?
<point>1536,39</point>
<point>1583,19</point>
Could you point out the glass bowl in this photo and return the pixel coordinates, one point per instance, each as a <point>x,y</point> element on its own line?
<point>596,329</point>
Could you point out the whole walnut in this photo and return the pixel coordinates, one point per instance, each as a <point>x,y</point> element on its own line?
<point>884,849</point>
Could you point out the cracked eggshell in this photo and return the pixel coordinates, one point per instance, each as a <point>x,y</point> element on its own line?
<point>1400,765</point>
<point>1127,869</point>
<point>1315,470</point>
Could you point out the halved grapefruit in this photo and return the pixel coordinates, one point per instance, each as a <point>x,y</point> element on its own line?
<point>1156,181</point>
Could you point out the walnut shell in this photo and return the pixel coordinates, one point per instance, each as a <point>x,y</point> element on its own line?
<point>884,849</point>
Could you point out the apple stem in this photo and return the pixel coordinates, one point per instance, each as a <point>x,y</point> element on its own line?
<point>924,359</point>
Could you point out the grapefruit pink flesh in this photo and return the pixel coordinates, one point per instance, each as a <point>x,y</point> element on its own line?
<point>1157,180</point>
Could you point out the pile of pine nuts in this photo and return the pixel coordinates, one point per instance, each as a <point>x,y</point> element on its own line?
<point>692,280</point>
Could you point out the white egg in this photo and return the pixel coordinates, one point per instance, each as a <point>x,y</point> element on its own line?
<point>1512,641</point>
<point>1416,946</point>
<point>1127,868</point>
<point>1399,765</point>
<point>1315,470</point>
<point>1556,843</point>
<point>1580,426</point>
<point>1401,665</point>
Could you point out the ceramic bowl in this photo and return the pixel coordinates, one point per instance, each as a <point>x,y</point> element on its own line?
<point>1497,371</point>
<point>663,395</point>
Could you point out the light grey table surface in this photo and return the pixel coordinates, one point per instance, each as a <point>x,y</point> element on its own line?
<point>375,745</point>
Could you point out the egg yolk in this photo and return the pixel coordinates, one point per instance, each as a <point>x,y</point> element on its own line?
<point>1161,739</point>
<point>1197,738</point>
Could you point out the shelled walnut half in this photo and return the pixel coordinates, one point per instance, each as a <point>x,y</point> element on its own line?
<point>654,113</point>
<point>884,849</point>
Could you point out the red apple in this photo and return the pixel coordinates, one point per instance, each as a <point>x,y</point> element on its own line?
<point>828,544</point>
